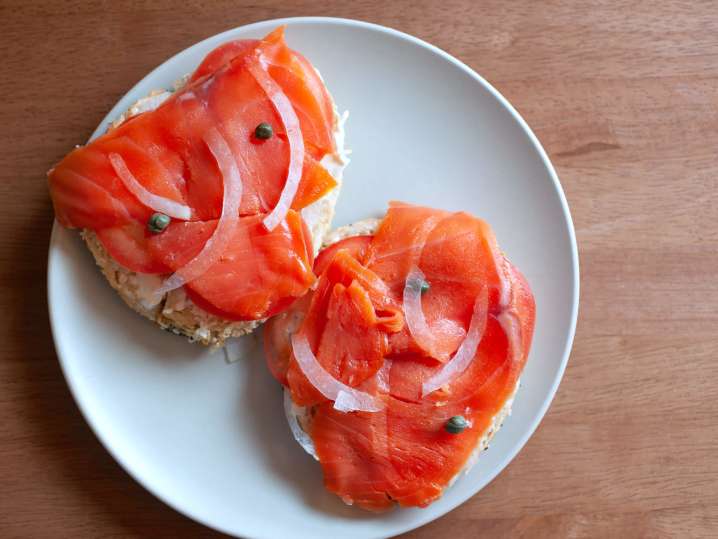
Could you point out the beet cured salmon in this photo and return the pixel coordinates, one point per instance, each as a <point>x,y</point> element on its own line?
<point>207,189</point>
<point>404,354</point>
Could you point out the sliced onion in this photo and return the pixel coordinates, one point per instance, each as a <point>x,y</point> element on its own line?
<point>346,399</point>
<point>227,224</point>
<point>152,201</point>
<point>467,350</point>
<point>500,265</point>
<point>509,323</point>
<point>410,248</point>
<point>426,337</point>
<point>291,125</point>
<point>507,316</point>
<point>292,412</point>
<point>414,313</point>
<point>382,376</point>
<point>186,96</point>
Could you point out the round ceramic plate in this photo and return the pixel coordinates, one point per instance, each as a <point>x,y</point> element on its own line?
<point>210,438</point>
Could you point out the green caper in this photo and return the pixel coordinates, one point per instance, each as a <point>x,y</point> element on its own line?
<point>425,287</point>
<point>263,131</point>
<point>158,222</point>
<point>456,424</point>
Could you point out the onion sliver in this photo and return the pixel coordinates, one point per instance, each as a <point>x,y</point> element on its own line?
<point>507,316</point>
<point>500,266</point>
<point>227,224</point>
<point>346,398</point>
<point>428,338</point>
<point>382,376</point>
<point>152,201</point>
<point>509,323</point>
<point>302,438</point>
<point>294,136</point>
<point>467,350</point>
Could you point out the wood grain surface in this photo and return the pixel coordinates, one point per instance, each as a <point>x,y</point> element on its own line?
<point>624,97</point>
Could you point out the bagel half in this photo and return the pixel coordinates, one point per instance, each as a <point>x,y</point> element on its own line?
<point>175,312</point>
<point>299,418</point>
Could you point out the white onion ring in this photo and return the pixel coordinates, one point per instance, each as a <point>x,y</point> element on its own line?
<point>227,224</point>
<point>426,337</point>
<point>152,201</point>
<point>382,376</point>
<point>508,321</point>
<point>293,130</point>
<point>186,96</point>
<point>410,248</point>
<point>302,438</point>
<point>467,350</point>
<point>507,317</point>
<point>346,398</point>
<point>500,265</point>
<point>414,313</point>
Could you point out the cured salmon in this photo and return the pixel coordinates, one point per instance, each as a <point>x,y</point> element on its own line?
<point>419,323</point>
<point>197,159</point>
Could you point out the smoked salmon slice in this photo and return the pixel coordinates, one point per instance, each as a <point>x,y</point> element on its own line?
<point>256,276</point>
<point>403,453</point>
<point>164,154</point>
<point>297,77</point>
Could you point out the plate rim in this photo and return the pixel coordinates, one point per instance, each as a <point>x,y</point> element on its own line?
<point>568,222</point>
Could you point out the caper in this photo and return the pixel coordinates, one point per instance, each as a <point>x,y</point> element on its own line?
<point>456,424</point>
<point>263,131</point>
<point>158,222</point>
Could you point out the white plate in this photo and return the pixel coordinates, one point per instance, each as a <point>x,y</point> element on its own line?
<point>210,438</point>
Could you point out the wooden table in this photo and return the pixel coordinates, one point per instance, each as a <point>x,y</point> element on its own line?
<point>624,97</point>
